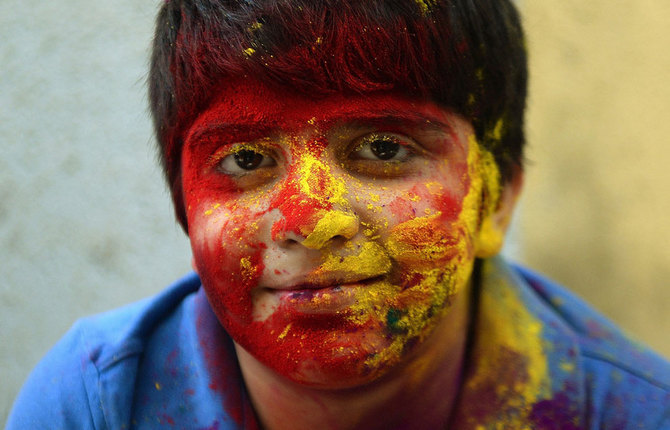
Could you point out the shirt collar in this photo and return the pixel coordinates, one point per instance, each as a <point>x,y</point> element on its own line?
<point>522,367</point>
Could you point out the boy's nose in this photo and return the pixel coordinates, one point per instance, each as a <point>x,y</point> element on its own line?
<point>315,228</point>
<point>326,227</point>
<point>314,206</point>
<point>332,225</point>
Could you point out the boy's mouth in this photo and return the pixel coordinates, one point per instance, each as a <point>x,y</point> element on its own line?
<point>333,283</point>
<point>324,298</point>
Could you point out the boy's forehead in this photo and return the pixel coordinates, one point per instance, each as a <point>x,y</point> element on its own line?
<point>250,104</point>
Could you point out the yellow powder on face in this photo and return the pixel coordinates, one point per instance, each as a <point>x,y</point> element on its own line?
<point>418,245</point>
<point>371,261</point>
<point>374,302</point>
<point>411,314</point>
<point>413,197</point>
<point>442,256</point>
<point>481,202</point>
<point>373,208</point>
<point>434,187</point>
<point>247,269</point>
<point>491,235</point>
<point>317,181</point>
<point>212,209</point>
<point>331,224</point>
<point>419,241</point>
<point>285,332</point>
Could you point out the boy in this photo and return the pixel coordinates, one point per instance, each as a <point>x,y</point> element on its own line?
<point>345,172</point>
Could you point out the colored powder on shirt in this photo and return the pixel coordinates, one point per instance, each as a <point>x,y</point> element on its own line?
<point>514,346</point>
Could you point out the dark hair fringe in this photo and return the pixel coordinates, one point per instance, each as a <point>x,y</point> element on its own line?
<point>466,55</point>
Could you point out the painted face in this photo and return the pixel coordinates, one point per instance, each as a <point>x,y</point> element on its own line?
<point>332,235</point>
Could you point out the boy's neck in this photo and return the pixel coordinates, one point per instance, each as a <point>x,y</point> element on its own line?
<point>419,394</point>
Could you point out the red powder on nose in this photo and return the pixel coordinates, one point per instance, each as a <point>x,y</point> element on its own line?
<point>299,209</point>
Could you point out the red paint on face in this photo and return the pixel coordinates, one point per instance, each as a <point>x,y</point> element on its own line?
<point>299,209</point>
<point>401,206</point>
<point>237,230</point>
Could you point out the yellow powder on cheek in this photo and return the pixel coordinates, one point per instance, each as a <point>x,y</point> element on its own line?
<point>434,188</point>
<point>420,241</point>
<point>371,261</point>
<point>481,202</point>
<point>212,209</point>
<point>408,315</point>
<point>247,268</point>
<point>440,255</point>
<point>436,257</point>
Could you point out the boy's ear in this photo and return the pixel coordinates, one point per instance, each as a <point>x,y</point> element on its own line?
<point>491,234</point>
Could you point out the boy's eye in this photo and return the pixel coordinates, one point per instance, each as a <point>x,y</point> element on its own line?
<point>244,161</point>
<point>381,147</point>
<point>248,160</point>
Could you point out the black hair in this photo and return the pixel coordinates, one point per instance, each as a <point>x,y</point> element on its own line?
<point>466,55</point>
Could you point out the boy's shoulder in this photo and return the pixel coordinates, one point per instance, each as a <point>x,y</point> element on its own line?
<point>583,373</point>
<point>114,335</point>
<point>146,362</point>
<point>626,384</point>
<point>600,340</point>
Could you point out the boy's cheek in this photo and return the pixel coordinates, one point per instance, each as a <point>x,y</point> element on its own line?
<point>424,199</point>
<point>228,257</point>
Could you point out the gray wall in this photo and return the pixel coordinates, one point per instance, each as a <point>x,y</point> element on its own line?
<point>85,220</point>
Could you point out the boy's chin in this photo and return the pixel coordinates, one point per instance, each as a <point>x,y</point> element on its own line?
<point>316,376</point>
<point>337,374</point>
<point>357,360</point>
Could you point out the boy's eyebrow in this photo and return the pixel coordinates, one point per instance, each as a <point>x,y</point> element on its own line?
<point>383,118</point>
<point>397,118</point>
<point>234,130</point>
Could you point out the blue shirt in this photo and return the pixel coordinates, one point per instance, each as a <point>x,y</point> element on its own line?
<point>538,358</point>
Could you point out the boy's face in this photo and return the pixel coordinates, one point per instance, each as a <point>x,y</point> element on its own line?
<point>332,235</point>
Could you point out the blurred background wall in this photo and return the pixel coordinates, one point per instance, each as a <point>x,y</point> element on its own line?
<point>596,210</point>
<point>85,220</point>
<point>86,223</point>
